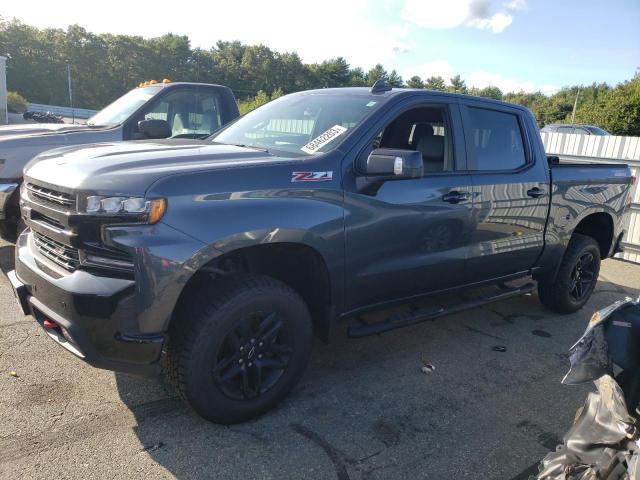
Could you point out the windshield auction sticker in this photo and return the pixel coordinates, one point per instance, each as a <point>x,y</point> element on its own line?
<point>321,140</point>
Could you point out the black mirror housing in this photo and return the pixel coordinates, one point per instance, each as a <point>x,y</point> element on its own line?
<point>385,164</point>
<point>154,128</point>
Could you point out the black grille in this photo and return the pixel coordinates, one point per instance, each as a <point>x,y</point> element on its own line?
<point>59,253</point>
<point>51,197</point>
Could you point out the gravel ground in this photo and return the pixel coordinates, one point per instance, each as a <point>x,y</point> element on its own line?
<point>364,409</point>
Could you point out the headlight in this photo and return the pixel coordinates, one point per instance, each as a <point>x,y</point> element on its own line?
<point>154,209</point>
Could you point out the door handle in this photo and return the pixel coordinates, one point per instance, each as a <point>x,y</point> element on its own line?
<point>535,192</point>
<point>455,197</point>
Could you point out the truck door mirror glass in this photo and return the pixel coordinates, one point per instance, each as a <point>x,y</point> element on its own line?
<point>384,164</point>
<point>154,128</point>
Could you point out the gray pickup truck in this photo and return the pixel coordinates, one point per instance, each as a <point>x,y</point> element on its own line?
<point>161,110</point>
<point>221,257</point>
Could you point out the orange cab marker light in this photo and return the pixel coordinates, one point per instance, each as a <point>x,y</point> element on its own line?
<point>152,82</point>
<point>157,208</point>
<point>166,80</point>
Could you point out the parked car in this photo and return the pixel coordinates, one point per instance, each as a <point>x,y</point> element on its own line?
<point>161,110</point>
<point>222,257</point>
<point>574,128</point>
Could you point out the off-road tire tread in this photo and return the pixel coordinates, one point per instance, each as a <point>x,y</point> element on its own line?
<point>553,293</point>
<point>199,306</point>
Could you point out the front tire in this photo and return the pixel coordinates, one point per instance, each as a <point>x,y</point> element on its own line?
<point>237,346</point>
<point>576,278</point>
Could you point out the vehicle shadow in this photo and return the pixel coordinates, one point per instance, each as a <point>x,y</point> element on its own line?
<point>366,409</point>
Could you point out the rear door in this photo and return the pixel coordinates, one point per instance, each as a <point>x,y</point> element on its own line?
<point>410,236</point>
<point>510,191</point>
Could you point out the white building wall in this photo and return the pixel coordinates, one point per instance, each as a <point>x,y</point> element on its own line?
<point>3,91</point>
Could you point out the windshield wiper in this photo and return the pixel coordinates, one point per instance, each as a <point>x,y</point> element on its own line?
<point>242,145</point>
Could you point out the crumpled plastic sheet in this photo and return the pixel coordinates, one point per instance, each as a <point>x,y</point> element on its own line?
<point>602,436</point>
<point>589,356</point>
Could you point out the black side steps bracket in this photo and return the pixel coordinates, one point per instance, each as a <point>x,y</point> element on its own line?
<point>406,319</point>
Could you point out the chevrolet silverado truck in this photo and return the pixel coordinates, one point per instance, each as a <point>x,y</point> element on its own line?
<point>160,110</point>
<point>217,260</point>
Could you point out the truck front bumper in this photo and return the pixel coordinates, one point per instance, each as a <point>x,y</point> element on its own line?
<point>6,191</point>
<point>84,313</point>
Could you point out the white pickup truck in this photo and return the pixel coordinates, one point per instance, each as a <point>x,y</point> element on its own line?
<point>161,110</point>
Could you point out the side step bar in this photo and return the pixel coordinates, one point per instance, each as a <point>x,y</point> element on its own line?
<point>431,313</point>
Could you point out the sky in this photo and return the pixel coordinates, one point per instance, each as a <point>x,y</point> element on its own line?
<point>512,44</point>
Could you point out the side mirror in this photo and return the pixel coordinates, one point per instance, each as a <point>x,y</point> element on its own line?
<point>154,128</point>
<point>385,164</point>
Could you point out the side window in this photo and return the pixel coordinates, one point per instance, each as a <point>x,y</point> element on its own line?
<point>425,130</point>
<point>188,113</point>
<point>495,140</point>
<point>158,112</point>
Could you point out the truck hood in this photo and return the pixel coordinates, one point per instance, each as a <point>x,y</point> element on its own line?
<point>43,128</point>
<point>130,168</point>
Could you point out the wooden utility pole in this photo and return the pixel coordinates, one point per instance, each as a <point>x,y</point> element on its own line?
<point>575,105</point>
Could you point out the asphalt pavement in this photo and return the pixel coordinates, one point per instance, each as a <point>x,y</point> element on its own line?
<point>364,410</point>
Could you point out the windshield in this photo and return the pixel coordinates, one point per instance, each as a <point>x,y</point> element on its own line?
<point>118,111</point>
<point>300,124</point>
<point>597,131</point>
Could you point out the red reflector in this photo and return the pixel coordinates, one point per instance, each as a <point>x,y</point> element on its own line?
<point>50,324</point>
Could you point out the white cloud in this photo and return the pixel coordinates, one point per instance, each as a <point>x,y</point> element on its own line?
<point>482,79</point>
<point>456,13</point>
<point>516,5</point>
<point>496,23</point>
<point>437,68</point>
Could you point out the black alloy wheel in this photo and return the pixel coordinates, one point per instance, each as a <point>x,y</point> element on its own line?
<point>237,345</point>
<point>583,277</point>
<point>253,356</point>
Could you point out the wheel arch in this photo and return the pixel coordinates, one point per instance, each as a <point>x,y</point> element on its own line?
<point>298,265</point>
<point>600,227</point>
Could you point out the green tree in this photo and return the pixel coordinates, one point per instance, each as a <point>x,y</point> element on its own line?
<point>16,103</point>
<point>457,85</point>
<point>377,73</point>
<point>491,92</point>
<point>333,73</point>
<point>435,83</point>
<point>252,103</point>
<point>395,80</point>
<point>415,82</point>
<point>616,110</point>
<point>358,78</point>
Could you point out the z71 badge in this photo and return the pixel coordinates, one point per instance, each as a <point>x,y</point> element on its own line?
<point>312,176</point>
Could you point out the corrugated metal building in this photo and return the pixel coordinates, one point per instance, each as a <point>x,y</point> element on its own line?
<point>3,91</point>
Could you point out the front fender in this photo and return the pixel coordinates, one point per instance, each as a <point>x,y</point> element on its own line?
<point>226,210</point>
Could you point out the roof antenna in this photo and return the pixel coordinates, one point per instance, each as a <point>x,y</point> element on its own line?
<point>381,86</point>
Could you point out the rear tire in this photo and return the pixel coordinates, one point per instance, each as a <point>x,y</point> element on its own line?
<point>576,278</point>
<point>237,346</point>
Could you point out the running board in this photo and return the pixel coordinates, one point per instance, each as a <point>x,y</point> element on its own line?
<point>431,313</point>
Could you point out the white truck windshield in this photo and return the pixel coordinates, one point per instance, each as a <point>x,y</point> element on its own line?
<point>118,111</point>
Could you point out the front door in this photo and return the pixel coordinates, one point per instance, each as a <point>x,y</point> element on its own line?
<point>411,236</point>
<point>510,192</point>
